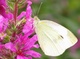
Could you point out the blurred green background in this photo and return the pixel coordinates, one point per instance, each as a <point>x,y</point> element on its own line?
<point>64,12</point>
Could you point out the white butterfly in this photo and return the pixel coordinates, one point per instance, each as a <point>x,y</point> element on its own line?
<point>53,38</point>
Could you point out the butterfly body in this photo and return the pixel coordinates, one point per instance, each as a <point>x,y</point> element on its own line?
<point>53,38</point>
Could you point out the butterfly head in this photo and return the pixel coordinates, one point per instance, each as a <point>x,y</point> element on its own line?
<point>36,20</point>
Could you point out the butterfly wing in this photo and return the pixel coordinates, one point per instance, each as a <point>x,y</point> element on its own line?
<point>64,32</point>
<point>53,38</point>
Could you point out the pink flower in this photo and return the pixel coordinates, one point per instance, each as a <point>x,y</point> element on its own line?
<point>76,46</point>
<point>3,3</point>
<point>4,17</point>
<point>78,31</point>
<point>22,47</point>
<point>2,35</point>
<point>21,15</point>
<point>2,11</point>
<point>3,25</point>
<point>3,7</point>
<point>19,39</point>
<point>3,51</point>
<point>28,10</point>
<point>28,27</point>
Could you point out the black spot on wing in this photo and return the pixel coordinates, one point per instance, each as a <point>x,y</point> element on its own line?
<point>61,36</point>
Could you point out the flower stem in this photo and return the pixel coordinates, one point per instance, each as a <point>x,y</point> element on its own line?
<point>15,11</point>
<point>15,14</point>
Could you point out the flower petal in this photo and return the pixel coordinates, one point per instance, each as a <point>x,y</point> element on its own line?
<point>29,57</point>
<point>28,26</point>
<point>30,42</point>
<point>10,15</point>
<point>29,10</point>
<point>36,46</point>
<point>3,2</point>
<point>21,15</point>
<point>21,57</point>
<point>10,46</point>
<point>29,2</point>
<point>33,54</point>
<point>2,26</point>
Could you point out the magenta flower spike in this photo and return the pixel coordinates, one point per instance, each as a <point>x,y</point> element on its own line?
<point>16,39</point>
<point>22,47</point>
<point>28,27</point>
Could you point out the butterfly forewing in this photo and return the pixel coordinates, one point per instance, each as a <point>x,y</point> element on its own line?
<point>53,38</point>
<point>48,42</point>
<point>64,32</point>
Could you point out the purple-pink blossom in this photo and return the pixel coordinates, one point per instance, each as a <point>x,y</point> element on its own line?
<point>16,38</point>
<point>29,24</point>
<point>22,46</point>
<point>3,11</point>
<point>3,3</point>
<point>3,25</point>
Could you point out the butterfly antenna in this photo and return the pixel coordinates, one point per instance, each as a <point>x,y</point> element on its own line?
<point>39,8</point>
<point>33,13</point>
